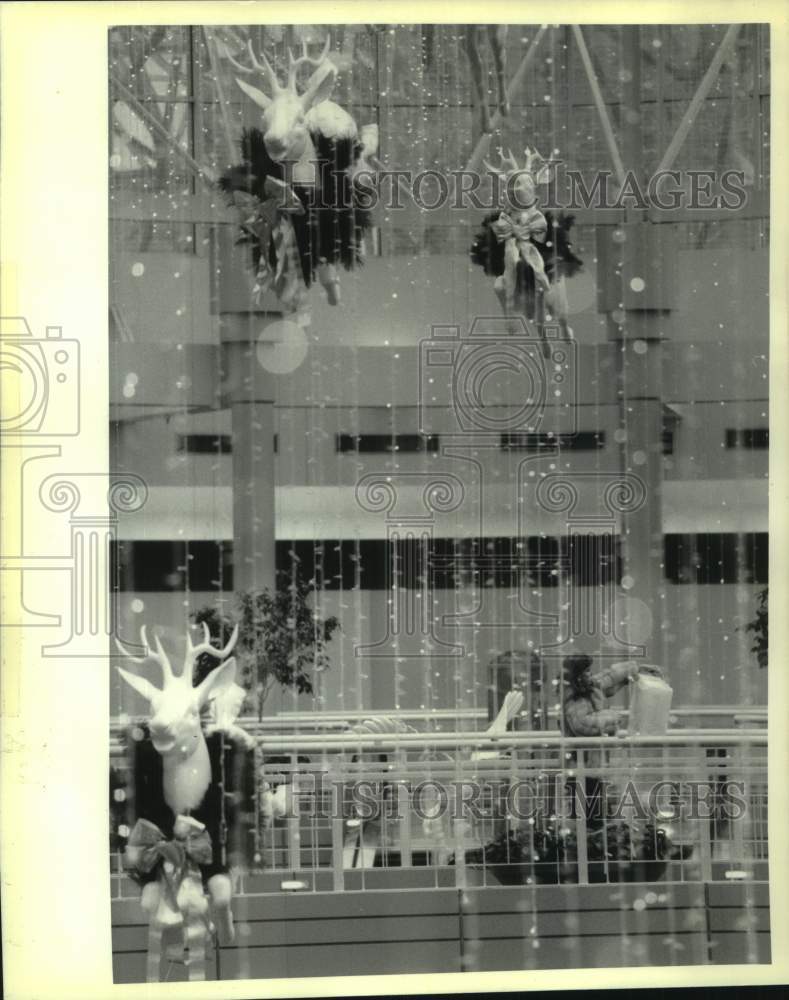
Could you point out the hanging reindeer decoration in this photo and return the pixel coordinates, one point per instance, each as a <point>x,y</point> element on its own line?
<point>305,177</point>
<point>528,253</point>
<point>186,779</point>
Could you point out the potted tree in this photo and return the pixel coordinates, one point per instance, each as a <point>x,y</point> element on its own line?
<point>282,640</point>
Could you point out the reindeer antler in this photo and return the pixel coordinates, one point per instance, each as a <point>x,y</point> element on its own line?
<point>534,164</point>
<point>206,646</point>
<point>304,59</point>
<point>263,67</point>
<point>159,655</point>
<point>507,164</point>
<point>540,168</point>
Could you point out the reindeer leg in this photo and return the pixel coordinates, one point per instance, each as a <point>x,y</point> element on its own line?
<point>471,42</point>
<point>328,277</point>
<point>539,320</point>
<point>220,890</point>
<point>153,961</point>
<point>497,37</point>
<point>556,301</point>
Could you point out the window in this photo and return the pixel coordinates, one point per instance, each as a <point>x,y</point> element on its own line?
<point>717,558</point>
<point>375,564</point>
<point>582,441</point>
<point>205,444</point>
<point>667,440</point>
<point>148,567</point>
<point>210,444</point>
<point>386,443</point>
<point>749,437</point>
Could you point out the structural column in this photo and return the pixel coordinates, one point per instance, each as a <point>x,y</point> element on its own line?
<point>637,291</point>
<point>249,392</point>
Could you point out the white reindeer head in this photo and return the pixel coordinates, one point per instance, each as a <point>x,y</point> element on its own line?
<point>519,182</point>
<point>175,707</point>
<point>284,130</point>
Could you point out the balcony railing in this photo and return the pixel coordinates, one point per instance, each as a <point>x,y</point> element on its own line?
<point>343,811</point>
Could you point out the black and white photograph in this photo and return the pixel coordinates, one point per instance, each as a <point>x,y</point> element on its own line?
<point>431,574</point>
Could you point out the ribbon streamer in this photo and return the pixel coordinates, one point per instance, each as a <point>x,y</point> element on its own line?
<point>516,235</point>
<point>269,220</point>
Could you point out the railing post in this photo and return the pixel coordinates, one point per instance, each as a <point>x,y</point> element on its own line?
<point>404,821</point>
<point>703,823</point>
<point>337,844</point>
<point>294,843</point>
<point>459,833</point>
<point>738,824</point>
<point>580,820</point>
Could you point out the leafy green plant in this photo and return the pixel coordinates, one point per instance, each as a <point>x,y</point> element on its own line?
<point>282,640</point>
<point>759,628</point>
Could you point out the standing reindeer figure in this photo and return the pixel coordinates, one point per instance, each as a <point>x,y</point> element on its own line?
<point>528,253</point>
<point>183,779</point>
<point>310,150</point>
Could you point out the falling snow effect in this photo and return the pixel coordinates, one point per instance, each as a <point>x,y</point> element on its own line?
<point>460,574</point>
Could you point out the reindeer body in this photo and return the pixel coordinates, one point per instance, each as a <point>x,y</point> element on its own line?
<point>528,254</point>
<point>152,801</point>
<point>185,781</point>
<point>313,146</point>
<point>558,258</point>
<point>181,782</point>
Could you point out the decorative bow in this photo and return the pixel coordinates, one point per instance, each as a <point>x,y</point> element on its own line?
<point>516,234</point>
<point>178,898</point>
<point>148,846</point>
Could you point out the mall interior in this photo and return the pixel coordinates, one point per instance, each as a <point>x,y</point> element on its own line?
<point>466,521</point>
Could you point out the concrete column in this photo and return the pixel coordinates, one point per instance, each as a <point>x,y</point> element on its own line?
<point>250,396</point>
<point>249,392</point>
<point>637,287</point>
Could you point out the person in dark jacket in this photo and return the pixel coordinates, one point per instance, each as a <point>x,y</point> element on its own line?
<point>583,709</point>
<point>584,713</point>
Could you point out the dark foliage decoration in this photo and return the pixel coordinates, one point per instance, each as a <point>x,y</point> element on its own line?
<point>334,220</point>
<point>227,810</point>
<point>556,251</point>
<point>282,640</point>
<point>118,809</point>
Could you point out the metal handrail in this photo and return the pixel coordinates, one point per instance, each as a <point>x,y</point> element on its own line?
<point>354,742</point>
<point>314,720</point>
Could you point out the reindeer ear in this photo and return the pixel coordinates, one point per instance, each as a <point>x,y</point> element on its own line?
<point>544,172</point>
<point>218,680</point>
<point>254,94</point>
<point>141,685</point>
<point>320,85</point>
